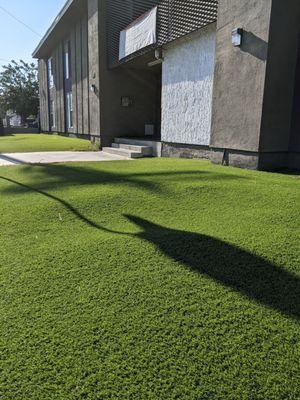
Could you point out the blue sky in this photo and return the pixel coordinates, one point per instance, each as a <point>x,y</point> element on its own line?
<point>16,41</point>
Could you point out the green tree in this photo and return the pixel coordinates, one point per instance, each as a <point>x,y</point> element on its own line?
<point>19,89</point>
<point>1,125</point>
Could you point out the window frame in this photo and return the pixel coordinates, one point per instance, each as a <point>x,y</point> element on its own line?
<point>50,72</point>
<point>70,122</point>
<point>68,60</point>
<point>52,114</point>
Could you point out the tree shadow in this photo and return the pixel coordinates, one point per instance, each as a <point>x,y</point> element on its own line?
<point>12,160</point>
<point>246,273</point>
<point>59,176</point>
<point>64,203</point>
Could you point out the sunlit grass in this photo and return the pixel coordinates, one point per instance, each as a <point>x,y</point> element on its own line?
<point>40,142</point>
<point>155,279</point>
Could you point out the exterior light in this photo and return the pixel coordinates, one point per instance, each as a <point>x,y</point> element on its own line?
<point>158,53</point>
<point>237,37</point>
<point>158,58</point>
<point>93,88</point>
<point>126,101</point>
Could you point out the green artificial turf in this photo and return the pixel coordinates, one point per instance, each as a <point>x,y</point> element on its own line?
<point>28,143</point>
<point>155,279</point>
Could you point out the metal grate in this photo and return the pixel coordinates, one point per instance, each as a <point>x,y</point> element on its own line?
<point>188,16</point>
<point>176,18</point>
<point>120,13</point>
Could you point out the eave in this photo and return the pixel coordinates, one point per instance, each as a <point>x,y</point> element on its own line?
<point>59,28</point>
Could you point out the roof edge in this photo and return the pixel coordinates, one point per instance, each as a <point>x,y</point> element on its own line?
<point>60,15</point>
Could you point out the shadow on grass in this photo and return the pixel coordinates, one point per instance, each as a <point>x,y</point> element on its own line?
<point>292,172</point>
<point>64,203</point>
<point>10,159</point>
<point>58,176</point>
<point>242,271</point>
<point>246,273</point>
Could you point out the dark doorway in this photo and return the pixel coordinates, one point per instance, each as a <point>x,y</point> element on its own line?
<point>145,90</point>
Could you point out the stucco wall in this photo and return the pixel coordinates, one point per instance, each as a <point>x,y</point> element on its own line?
<point>240,74</point>
<point>187,86</point>
<point>280,76</point>
<point>93,66</point>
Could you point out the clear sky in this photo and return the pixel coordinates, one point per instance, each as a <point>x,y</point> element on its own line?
<point>16,41</point>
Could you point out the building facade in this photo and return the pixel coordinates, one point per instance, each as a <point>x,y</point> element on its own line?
<point>173,72</point>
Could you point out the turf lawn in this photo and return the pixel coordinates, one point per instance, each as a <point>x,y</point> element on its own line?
<point>156,279</point>
<point>28,143</point>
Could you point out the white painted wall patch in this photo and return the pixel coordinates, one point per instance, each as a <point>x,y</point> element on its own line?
<point>187,88</point>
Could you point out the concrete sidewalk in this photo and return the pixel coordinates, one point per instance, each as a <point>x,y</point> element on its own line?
<point>9,159</point>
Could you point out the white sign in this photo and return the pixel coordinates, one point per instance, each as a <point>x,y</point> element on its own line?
<point>141,33</point>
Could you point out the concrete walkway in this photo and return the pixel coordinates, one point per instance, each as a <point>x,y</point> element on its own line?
<point>9,159</point>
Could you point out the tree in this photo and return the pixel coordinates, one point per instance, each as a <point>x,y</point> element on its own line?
<point>19,89</point>
<point>1,124</point>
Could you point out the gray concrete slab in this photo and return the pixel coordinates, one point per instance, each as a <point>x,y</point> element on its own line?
<point>9,159</point>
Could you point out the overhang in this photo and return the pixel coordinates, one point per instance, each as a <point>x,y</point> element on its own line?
<point>60,27</point>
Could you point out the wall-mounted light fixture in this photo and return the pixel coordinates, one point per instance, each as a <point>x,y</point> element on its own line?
<point>126,101</point>
<point>93,88</point>
<point>237,37</point>
<point>158,53</point>
<point>158,58</point>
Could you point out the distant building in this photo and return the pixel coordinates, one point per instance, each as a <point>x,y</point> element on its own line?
<point>203,78</point>
<point>12,119</point>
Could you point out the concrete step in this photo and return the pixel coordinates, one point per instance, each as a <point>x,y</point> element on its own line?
<point>135,141</point>
<point>144,142</point>
<point>122,152</point>
<point>145,150</point>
